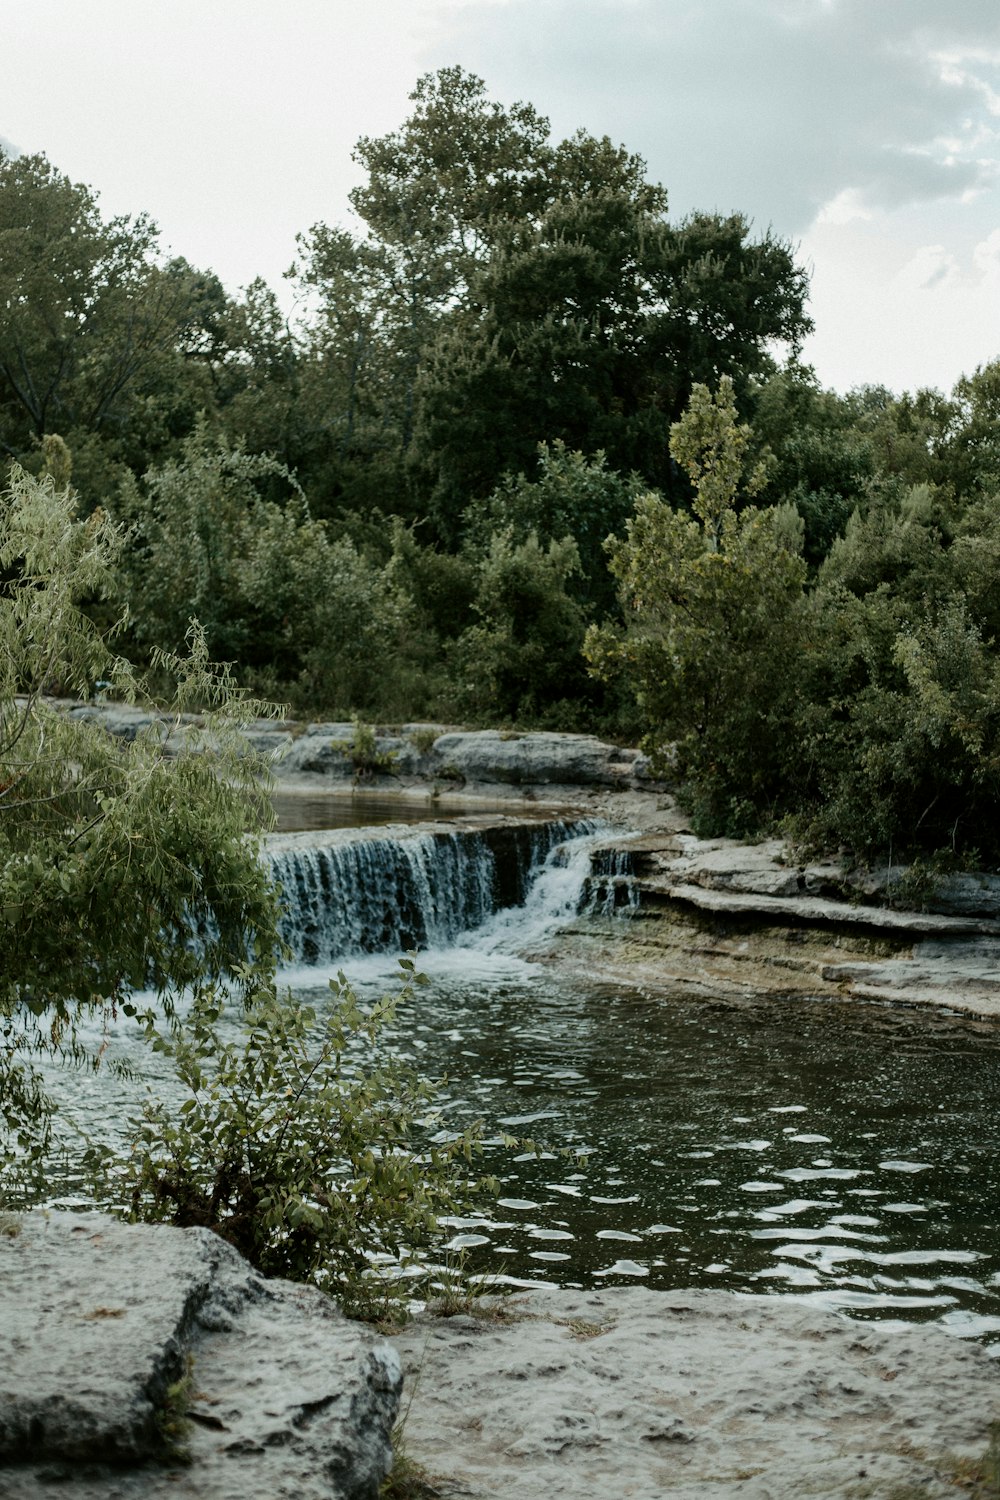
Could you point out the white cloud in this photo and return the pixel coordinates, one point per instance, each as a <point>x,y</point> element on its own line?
<point>847,205</point>
<point>769,106</point>
<point>932,267</point>
<point>986,258</point>
<point>892,311</point>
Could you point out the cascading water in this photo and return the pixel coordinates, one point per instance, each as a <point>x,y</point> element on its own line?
<point>837,1153</point>
<point>428,888</point>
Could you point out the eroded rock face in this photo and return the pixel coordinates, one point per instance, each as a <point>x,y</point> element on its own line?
<point>432,753</point>
<point>592,1395</point>
<point>486,757</point>
<point>720,917</point>
<point>537,759</point>
<point>121,1345</point>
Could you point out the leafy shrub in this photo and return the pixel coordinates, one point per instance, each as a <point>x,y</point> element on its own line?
<point>304,613</point>
<point>109,849</point>
<point>573,496</point>
<point>714,633</point>
<point>525,649</point>
<point>363,752</point>
<point>319,1160</point>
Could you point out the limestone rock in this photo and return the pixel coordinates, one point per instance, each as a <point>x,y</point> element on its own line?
<point>120,719</point>
<point>692,1395</point>
<point>324,750</point>
<point>491,756</point>
<point>111,1335</point>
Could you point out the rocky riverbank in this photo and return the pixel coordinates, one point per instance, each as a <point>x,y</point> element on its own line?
<point>626,1394</point>
<point>596,1394</point>
<point>715,917</point>
<point>139,1361</point>
<point>711,916</point>
<point>144,1361</point>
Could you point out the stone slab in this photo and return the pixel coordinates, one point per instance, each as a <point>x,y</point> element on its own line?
<point>281,1397</point>
<point>691,1395</point>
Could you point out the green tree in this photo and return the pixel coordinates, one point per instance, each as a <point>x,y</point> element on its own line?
<point>434,193</point>
<point>819,456</point>
<point>99,340</point>
<point>972,451</point>
<point>256,377</point>
<point>114,856</point>
<point>592,324</point>
<point>438,190</point>
<point>714,627</point>
<point>509,291</point>
<point>521,658</point>
<point>359,352</point>
<point>899,735</point>
<point>573,496</point>
<point>110,851</point>
<point>194,521</point>
<point>292,607</point>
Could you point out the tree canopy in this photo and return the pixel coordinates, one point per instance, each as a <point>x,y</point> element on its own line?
<point>395,499</point>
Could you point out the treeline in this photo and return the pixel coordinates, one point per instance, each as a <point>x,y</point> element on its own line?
<point>397,503</point>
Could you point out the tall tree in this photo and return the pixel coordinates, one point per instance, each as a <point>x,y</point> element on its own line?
<point>592,324</point>
<point>98,338</point>
<point>460,168</point>
<point>714,625</point>
<point>435,193</point>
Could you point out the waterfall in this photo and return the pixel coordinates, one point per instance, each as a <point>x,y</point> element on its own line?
<point>401,889</point>
<point>611,889</point>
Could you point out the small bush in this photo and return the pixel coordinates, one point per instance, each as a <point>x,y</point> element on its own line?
<point>318,1160</point>
<point>362,751</point>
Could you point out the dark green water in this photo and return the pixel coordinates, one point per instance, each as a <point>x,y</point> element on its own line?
<point>824,1150</point>
<point>299,810</point>
<point>839,1152</point>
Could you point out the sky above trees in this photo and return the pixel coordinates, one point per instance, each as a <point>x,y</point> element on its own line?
<point>867,133</point>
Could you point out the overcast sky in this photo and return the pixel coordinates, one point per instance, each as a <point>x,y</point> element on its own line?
<point>866,131</point>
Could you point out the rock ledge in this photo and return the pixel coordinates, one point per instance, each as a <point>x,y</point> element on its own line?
<point>280,1395</point>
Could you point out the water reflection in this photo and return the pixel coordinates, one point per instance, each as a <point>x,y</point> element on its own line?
<point>842,1153</point>
<point>297,811</point>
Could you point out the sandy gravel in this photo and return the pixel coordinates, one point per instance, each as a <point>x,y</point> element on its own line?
<point>627,1394</point>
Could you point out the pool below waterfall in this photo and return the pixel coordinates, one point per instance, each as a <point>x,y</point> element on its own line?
<point>829,1151</point>
<point>841,1153</point>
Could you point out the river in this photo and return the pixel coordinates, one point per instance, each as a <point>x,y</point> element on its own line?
<point>835,1152</point>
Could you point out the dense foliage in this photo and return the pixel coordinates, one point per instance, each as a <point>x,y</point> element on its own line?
<point>132,888</point>
<point>109,851</point>
<point>396,504</point>
<point>319,1159</point>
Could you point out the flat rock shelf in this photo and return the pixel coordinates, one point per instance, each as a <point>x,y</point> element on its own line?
<point>627,1394</point>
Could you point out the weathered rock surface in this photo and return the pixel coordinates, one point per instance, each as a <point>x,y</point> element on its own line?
<point>125,722</point>
<point>489,756</point>
<point>418,752</point>
<point>482,758</point>
<point>693,1395</point>
<point>716,917</point>
<point>285,1397</point>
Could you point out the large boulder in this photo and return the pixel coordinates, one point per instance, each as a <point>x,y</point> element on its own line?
<point>493,756</point>
<point>145,1361</point>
